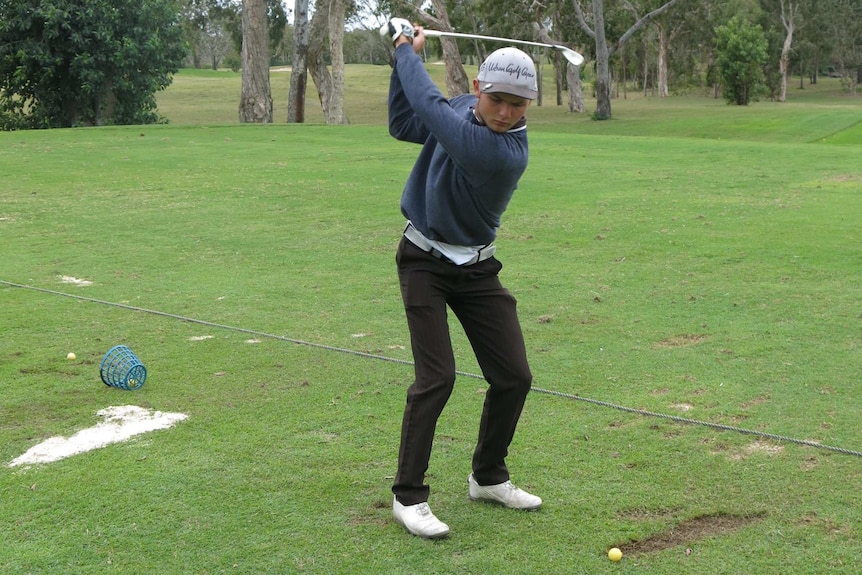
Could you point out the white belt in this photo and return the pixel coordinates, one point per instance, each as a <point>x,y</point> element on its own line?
<point>417,239</point>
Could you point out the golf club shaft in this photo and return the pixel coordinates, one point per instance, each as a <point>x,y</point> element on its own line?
<point>570,54</point>
<point>437,33</point>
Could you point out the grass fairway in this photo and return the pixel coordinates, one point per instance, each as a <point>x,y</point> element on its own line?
<point>687,258</point>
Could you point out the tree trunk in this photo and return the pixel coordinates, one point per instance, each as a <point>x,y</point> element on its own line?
<point>336,56</point>
<point>316,65</point>
<point>559,62</point>
<point>784,65</point>
<point>299,72</point>
<point>572,72</point>
<point>789,9</point>
<point>457,82</point>
<point>663,48</point>
<point>646,72</point>
<point>256,101</point>
<point>603,77</point>
<point>576,89</point>
<point>558,72</point>
<point>539,80</point>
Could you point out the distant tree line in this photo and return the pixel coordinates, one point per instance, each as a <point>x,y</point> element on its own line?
<point>93,62</point>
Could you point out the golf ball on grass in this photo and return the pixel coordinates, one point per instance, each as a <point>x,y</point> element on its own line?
<point>71,356</point>
<point>615,554</point>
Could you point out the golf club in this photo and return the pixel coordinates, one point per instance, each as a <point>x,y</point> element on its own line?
<point>569,54</point>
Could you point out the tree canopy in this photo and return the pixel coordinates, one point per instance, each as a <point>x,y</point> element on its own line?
<point>70,63</point>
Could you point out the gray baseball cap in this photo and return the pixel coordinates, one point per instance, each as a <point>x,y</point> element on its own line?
<point>510,71</point>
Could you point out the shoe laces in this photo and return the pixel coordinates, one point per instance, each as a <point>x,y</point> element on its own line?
<point>423,510</point>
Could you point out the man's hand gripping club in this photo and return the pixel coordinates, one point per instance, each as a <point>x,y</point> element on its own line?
<point>401,31</point>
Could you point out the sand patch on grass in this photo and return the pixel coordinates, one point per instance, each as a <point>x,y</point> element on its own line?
<point>75,281</point>
<point>120,423</point>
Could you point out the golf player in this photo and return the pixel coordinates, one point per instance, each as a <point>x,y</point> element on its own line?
<point>474,150</point>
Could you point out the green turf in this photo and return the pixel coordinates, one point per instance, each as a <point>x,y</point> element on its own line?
<point>687,258</point>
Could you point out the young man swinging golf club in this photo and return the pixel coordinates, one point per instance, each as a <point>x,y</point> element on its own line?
<point>474,150</point>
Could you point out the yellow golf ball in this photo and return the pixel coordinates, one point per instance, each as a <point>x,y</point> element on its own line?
<point>71,356</point>
<point>615,554</point>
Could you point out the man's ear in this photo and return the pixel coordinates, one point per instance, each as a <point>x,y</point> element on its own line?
<point>476,87</point>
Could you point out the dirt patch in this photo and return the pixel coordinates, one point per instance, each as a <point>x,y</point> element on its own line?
<point>754,448</point>
<point>683,407</point>
<point>684,340</point>
<point>845,178</point>
<point>756,401</point>
<point>826,525</point>
<point>690,531</point>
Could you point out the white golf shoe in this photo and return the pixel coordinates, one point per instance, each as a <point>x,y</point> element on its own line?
<point>505,494</point>
<point>418,520</point>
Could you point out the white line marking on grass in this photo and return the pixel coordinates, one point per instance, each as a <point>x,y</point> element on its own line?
<point>121,423</point>
<point>200,337</point>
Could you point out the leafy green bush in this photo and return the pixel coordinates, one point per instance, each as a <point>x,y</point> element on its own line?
<point>70,63</point>
<point>742,52</point>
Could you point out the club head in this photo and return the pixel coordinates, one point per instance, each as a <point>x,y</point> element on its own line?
<point>573,57</point>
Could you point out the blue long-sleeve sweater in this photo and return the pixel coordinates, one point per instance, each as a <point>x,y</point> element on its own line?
<point>466,173</point>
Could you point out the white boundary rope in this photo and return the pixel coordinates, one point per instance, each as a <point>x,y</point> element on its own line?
<point>677,419</point>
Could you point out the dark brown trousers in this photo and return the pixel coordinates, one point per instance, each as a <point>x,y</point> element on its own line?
<point>487,312</point>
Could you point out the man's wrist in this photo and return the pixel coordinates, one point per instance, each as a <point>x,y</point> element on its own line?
<point>397,46</point>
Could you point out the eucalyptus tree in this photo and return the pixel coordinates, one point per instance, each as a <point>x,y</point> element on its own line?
<point>299,70</point>
<point>335,25</point>
<point>328,19</point>
<point>553,25</point>
<point>668,27</point>
<point>593,23</point>
<point>256,99</point>
<point>791,19</point>
<point>318,43</point>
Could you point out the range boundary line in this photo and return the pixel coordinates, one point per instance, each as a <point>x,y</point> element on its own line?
<point>574,397</point>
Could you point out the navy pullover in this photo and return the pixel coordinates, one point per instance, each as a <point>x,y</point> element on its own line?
<point>466,173</point>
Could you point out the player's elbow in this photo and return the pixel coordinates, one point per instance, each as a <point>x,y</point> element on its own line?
<point>403,133</point>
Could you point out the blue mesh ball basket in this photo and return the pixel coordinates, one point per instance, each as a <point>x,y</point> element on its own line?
<point>121,368</point>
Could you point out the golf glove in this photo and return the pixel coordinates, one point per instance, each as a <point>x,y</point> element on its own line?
<point>396,27</point>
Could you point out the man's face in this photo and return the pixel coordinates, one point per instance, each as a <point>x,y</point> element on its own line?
<point>499,111</point>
